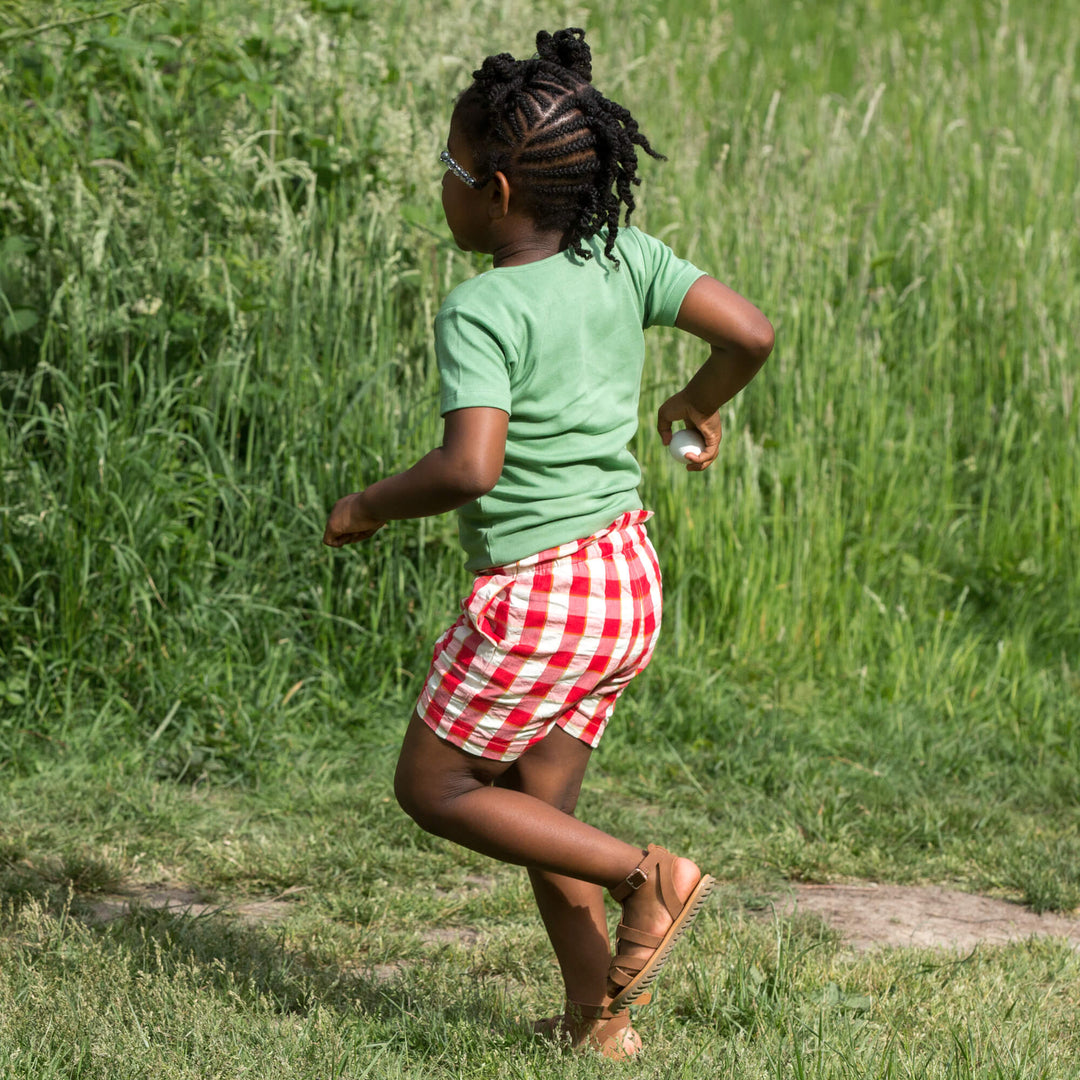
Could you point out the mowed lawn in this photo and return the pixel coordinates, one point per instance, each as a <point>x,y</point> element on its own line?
<point>221,250</point>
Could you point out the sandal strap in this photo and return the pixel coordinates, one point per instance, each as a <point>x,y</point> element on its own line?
<point>665,864</point>
<point>637,937</point>
<point>624,974</point>
<point>576,1009</point>
<point>634,880</point>
<point>629,965</point>
<point>661,861</point>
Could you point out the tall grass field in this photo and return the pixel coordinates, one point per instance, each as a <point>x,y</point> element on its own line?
<point>221,253</point>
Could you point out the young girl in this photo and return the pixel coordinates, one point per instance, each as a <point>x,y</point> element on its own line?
<point>540,362</point>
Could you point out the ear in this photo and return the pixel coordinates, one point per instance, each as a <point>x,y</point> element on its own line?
<point>499,200</point>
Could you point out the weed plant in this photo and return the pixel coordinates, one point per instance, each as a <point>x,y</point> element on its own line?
<point>221,251</point>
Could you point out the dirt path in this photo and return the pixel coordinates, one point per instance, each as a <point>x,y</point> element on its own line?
<point>869,915</point>
<point>184,900</point>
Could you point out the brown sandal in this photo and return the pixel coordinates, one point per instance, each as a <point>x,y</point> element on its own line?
<point>630,975</point>
<point>592,1027</point>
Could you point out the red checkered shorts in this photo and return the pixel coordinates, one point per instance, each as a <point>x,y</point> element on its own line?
<point>552,639</point>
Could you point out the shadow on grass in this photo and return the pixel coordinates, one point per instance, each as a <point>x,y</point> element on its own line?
<point>212,952</point>
<point>55,882</point>
<point>235,958</point>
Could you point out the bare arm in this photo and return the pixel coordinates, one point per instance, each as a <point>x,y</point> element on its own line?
<point>741,339</point>
<point>466,466</point>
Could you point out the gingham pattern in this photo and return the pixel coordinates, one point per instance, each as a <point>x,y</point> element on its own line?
<point>553,639</point>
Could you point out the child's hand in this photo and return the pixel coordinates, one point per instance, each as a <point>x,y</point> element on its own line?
<point>677,407</point>
<point>349,522</point>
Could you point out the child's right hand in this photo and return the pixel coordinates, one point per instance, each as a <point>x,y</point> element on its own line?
<point>349,522</point>
<point>678,407</point>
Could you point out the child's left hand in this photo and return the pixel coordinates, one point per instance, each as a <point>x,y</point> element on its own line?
<point>349,522</point>
<point>678,407</point>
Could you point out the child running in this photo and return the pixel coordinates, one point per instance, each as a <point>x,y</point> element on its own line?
<point>540,362</point>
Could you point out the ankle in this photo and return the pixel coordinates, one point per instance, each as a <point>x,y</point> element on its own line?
<point>628,885</point>
<point>590,990</point>
<point>661,880</point>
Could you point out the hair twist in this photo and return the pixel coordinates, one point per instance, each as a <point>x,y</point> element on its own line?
<point>566,48</point>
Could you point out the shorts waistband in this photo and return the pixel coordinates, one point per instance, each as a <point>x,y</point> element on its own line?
<point>631,519</point>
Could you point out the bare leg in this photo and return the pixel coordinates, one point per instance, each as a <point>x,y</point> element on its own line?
<point>452,794</point>
<point>572,910</point>
<point>449,793</point>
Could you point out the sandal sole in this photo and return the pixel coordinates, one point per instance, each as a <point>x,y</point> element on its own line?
<point>634,989</point>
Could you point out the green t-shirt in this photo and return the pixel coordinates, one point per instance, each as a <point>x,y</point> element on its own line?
<point>558,344</point>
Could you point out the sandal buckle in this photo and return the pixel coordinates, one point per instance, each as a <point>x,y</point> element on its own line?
<point>636,878</point>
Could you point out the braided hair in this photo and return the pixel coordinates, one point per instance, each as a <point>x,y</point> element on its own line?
<point>567,150</point>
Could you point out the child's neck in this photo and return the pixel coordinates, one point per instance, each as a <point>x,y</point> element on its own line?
<point>526,246</point>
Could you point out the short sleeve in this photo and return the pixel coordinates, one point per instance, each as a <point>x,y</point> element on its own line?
<point>473,370</point>
<point>665,278</point>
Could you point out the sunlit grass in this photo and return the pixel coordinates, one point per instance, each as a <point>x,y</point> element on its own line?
<point>220,320</point>
<point>221,251</point>
<point>390,946</point>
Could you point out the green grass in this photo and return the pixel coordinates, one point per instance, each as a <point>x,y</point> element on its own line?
<point>201,998</point>
<point>370,968</point>
<point>221,251</point>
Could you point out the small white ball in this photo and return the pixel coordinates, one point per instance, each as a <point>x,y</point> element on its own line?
<point>685,442</point>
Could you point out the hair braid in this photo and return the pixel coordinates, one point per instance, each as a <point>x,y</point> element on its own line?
<point>569,152</point>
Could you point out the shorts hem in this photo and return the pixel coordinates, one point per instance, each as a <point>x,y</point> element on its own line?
<point>472,751</point>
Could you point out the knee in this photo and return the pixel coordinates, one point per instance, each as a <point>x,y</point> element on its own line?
<point>427,799</point>
<point>434,779</point>
<point>414,797</point>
